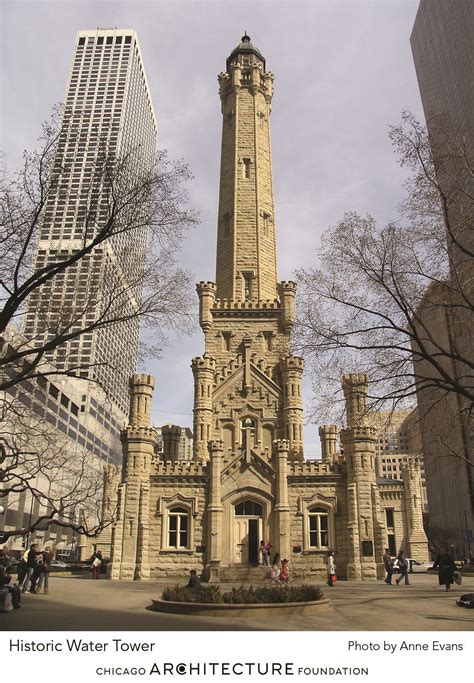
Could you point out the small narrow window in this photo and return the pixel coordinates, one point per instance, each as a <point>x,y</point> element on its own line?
<point>128,40</point>
<point>82,41</point>
<point>246,163</point>
<point>247,285</point>
<point>178,528</point>
<point>226,224</point>
<point>100,40</point>
<point>267,340</point>
<point>110,40</point>
<point>226,340</point>
<point>266,224</point>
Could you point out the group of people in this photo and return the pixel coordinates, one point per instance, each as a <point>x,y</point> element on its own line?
<point>32,575</point>
<point>279,570</point>
<point>33,569</point>
<point>444,563</point>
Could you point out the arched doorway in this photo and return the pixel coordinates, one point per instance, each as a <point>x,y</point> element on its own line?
<point>248,529</point>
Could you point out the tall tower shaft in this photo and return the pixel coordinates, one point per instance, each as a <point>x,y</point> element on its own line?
<point>247,384</point>
<point>246,253</point>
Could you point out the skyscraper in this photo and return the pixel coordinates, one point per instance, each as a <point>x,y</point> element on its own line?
<point>443,52</point>
<point>107,115</point>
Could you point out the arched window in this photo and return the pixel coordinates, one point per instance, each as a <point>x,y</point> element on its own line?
<point>249,508</point>
<point>318,527</point>
<point>178,528</point>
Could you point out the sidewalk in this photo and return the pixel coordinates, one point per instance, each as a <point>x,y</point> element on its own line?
<point>82,604</point>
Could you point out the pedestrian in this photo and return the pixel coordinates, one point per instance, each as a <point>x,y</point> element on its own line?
<point>284,571</point>
<point>11,588</point>
<point>276,567</point>
<point>446,568</point>
<point>268,548</point>
<point>41,574</point>
<point>263,553</point>
<point>96,564</point>
<point>31,559</point>
<point>331,569</point>
<point>403,567</point>
<point>387,561</point>
<point>194,580</point>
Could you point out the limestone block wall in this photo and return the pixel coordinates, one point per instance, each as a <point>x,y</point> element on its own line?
<point>315,484</point>
<point>186,489</point>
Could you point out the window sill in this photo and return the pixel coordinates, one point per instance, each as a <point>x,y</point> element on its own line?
<point>315,551</point>
<point>179,551</point>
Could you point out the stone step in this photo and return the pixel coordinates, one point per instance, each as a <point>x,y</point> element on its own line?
<point>243,574</point>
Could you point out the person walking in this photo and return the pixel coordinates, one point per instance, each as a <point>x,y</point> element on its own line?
<point>403,567</point>
<point>387,561</point>
<point>42,571</point>
<point>446,567</point>
<point>30,566</point>
<point>263,553</point>
<point>331,569</point>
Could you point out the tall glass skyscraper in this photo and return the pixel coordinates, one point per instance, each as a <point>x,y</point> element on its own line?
<point>107,115</point>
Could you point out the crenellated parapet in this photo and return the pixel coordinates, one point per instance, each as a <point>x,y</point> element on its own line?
<point>312,468</point>
<point>179,469</point>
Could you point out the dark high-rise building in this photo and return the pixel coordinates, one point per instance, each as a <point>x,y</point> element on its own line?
<point>443,50</point>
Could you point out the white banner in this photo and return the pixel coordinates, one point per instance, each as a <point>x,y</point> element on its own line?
<point>235,656</point>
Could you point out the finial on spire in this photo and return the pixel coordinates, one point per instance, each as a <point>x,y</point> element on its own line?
<point>245,38</point>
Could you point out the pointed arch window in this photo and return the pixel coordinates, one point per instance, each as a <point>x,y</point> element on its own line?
<point>318,527</point>
<point>178,528</point>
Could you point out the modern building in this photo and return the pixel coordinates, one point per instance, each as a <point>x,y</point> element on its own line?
<point>398,440</point>
<point>53,419</point>
<point>107,116</point>
<point>443,52</point>
<point>249,480</point>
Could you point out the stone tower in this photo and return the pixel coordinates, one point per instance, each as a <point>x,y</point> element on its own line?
<point>130,536</point>
<point>366,531</point>
<point>247,383</point>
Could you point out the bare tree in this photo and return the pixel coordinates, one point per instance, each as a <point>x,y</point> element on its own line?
<point>130,219</point>
<point>371,300</point>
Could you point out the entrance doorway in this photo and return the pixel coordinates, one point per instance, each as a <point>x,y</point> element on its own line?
<point>248,524</point>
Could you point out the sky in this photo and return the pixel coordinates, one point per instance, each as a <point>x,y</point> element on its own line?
<point>343,73</point>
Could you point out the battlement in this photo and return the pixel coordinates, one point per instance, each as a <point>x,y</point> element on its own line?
<point>289,363</point>
<point>206,286</point>
<point>359,432</point>
<point>203,363</point>
<point>313,468</point>
<point>355,381</point>
<point>216,445</point>
<point>252,305</point>
<point>141,380</point>
<point>282,445</point>
<point>137,431</point>
<point>287,286</point>
<point>178,468</point>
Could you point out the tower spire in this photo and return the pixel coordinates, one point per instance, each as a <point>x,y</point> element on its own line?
<point>246,252</point>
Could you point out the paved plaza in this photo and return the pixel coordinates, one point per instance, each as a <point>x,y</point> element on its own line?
<point>79,603</point>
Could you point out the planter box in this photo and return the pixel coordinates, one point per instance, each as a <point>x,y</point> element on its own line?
<point>225,610</point>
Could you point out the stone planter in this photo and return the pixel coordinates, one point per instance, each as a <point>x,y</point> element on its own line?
<point>277,609</point>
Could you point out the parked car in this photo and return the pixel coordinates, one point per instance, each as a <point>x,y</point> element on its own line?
<point>413,565</point>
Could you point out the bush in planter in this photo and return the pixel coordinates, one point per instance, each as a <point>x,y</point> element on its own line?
<point>272,595</point>
<point>206,594</point>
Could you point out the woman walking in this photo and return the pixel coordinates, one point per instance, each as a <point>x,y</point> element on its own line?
<point>446,568</point>
<point>45,569</point>
<point>331,569</point>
